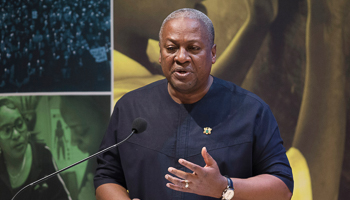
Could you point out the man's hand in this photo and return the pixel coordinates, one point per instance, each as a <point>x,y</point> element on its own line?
<point>204,181</point>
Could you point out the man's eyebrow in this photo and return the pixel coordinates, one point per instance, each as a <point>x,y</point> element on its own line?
<point>170,40</point>
<point>74,125</point>
<point>189,41</point>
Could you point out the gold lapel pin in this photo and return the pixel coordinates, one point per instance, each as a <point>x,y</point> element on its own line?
<point>207,130</point>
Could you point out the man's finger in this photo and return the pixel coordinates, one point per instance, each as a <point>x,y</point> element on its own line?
<point>176,187</point>
<point>179,173</point>
<point>209,161</point>
<point>175,181</point>
<point>191,166</point>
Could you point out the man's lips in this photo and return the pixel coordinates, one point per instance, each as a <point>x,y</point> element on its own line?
<point>181,73</point>
<point>82,147</point>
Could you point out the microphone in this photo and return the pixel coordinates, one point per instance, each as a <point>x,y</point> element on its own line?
<point>139,125</point>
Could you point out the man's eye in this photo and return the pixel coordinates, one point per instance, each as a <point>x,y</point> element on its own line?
<point>79,130</point>
<point>194,48</point>
<point>170,49</point>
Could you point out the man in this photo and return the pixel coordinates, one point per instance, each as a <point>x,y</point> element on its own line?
<point>87,118</point>
<point>189,114</point>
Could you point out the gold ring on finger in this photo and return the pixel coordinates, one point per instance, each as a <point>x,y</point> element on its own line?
<point>186,186</point>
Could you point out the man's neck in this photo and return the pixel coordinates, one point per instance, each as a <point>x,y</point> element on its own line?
<point>191,97</point>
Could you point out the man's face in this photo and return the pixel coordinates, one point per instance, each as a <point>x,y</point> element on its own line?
<point>84,124</point>
<point>186,55</point>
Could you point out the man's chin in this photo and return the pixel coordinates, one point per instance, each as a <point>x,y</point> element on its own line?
<point>83,149</point>
<point>182,88</point>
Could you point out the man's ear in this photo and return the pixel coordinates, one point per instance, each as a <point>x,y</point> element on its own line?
<point>213,54</point>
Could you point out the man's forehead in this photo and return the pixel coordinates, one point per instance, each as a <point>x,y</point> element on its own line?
<point>186,27</point>
<point>185,22</point>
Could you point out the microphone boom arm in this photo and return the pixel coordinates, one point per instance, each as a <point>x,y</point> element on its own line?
<point>74,164</point>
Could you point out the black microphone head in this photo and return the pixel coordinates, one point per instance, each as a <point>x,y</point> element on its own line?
<point>139,125</point>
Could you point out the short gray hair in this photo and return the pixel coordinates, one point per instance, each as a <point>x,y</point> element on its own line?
<point>191,14</point>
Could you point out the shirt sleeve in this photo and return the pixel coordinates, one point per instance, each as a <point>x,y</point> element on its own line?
<point>109,168</point>
<point>269,153</point>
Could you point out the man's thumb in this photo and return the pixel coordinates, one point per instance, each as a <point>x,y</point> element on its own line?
<point>207,157</point>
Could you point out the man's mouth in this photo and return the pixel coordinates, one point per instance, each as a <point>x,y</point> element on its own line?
<point>181,73</point>
<point>82,147</point>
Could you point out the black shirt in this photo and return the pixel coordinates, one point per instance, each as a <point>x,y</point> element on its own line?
<point>244,140</point>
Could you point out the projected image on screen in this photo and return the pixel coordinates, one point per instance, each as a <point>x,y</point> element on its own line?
<point>43,134</point>
<point>54,45</point>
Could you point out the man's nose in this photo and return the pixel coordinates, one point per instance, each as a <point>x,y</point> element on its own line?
<point>74,139</point>
<point>182,56</point>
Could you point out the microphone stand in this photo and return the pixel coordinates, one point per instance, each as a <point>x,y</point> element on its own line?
<point>72,165</point>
